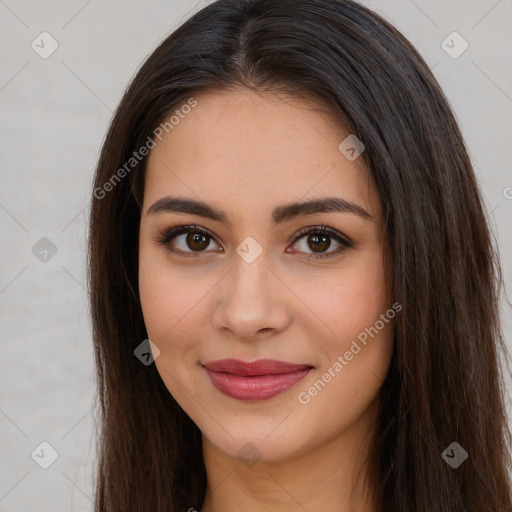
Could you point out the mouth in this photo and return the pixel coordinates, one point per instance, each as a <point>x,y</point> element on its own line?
<point>256,380</point>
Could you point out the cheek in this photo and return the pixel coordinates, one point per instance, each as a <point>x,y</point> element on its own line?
<point>168,307</point>
<point>348,301</point>
<point>163,299</point>
<point>155,299</point>
<point>355,359</point>
<point>173,302</point>
<point>164,302</point>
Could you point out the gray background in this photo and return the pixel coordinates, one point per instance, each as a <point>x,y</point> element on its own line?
<point>55,113</point>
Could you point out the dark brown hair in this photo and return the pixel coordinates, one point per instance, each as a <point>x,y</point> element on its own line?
<point>444,383</point>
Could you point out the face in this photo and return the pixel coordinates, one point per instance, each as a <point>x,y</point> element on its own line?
<point>247,276</point>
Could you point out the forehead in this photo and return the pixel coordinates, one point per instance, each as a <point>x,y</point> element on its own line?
<point>249,150</point>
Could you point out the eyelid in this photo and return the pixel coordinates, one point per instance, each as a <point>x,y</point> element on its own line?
<point>324,229</point>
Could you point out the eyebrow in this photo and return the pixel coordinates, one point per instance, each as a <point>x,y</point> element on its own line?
<point>280,213</point>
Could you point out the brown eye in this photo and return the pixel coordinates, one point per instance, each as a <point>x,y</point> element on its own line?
<point>197,241</point>
<point>186,240</point>
<point>318,243</point>
<point>319,239</point>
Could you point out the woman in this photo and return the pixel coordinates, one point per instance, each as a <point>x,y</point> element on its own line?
<point>293,288</point>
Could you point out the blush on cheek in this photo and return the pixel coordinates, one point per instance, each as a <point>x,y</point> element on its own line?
<point>170,321</point>
<point>350,314</point>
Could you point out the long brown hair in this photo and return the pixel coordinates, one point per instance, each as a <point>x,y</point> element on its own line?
<point>444,384</point>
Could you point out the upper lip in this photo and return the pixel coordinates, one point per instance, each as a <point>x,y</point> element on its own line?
<point>259,367</point>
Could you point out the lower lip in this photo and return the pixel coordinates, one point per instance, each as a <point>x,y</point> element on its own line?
<point>259,387</point>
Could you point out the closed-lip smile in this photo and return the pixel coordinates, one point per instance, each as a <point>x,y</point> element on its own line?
<point>257,380</point>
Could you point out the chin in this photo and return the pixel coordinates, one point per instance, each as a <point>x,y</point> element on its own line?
<point>250,450</point>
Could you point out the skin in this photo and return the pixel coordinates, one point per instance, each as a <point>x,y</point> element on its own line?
<point>246,153</point>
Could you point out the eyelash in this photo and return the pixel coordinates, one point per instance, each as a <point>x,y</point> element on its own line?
<point>168,234</point>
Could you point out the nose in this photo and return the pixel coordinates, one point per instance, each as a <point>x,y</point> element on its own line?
<point>252,301</point>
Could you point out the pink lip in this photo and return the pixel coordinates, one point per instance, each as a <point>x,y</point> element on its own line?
<point>257,380</point>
